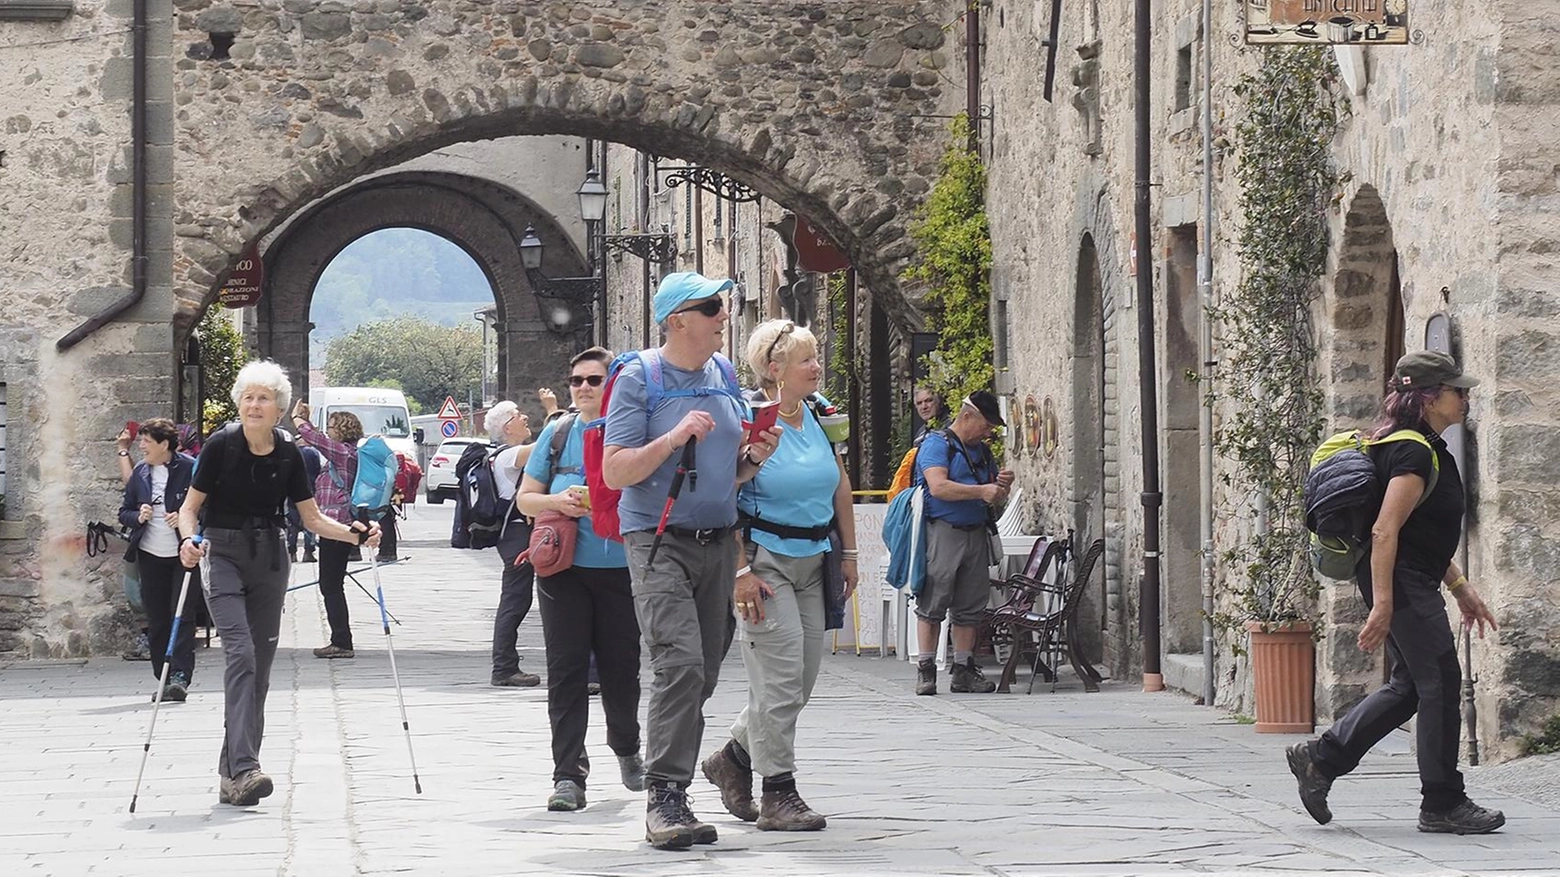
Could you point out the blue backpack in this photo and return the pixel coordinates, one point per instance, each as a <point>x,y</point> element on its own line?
<point>904,535</point>
<point>376,470</point>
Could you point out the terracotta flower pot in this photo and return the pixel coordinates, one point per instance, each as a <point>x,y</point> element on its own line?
<point>1283,668</point>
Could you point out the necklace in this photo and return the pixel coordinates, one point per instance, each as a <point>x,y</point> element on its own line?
<point>793,412</point>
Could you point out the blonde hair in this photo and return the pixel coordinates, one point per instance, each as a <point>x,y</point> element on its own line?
<point>775,341</point>
<point>267,374</point>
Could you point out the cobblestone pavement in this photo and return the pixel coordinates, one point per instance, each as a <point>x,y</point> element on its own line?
<point>1056,783</point>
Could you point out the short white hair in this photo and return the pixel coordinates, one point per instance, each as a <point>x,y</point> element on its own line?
<point>499,415</point>
<point>267,374</point>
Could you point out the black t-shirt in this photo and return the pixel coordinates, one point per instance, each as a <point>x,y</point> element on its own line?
<point>1429,537</point>
<point>251,486</point>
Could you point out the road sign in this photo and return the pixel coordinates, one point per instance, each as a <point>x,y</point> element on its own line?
<point>448,428</point>
<point>448,411</point>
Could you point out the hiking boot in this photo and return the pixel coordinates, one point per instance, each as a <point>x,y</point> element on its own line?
<point>968,679</point>
<point>141,650</point>
<point>668,821</point>
<point>1314,785</point>
<point>632,769</point>
<point>308,556</point>
<point>224,790</point>
<point>249,787</point>
<point>333,651</point>
<point>178,687</point>
<point>1465,818</point>
<point>567,796</point>
<point>926,677</point>
<point>517,679</point>
<point>786,811</point>
<point>734,783</point>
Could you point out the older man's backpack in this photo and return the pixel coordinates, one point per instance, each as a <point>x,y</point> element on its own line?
<point>1343,494</point>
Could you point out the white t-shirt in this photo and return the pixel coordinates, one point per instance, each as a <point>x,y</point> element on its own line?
<point>506,475</point>
<point>160,540</point>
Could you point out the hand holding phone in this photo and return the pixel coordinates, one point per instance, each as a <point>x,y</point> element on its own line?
<point>764,416</point>
<point>133,428</point>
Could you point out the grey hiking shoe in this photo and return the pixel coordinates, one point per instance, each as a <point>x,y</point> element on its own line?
<point>249,787</point>
<point>567,795</point>
<point>668,821</point>
<point>632,769</point>
<point>517,679</point>
<point>224,790</point>
<point>926,677</point>
<point>329,651</point>
<point>786,811</point>
<point>1314,785</point>
<point>967,679</point>
<point>178,687</point>
<point>1465,818</point>
<point>734,783</point>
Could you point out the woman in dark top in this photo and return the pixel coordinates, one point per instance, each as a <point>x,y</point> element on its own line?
<point>247,472</point>
<point>1400,577</point>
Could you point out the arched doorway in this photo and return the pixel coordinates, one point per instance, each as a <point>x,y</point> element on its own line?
<point>1092,468</point>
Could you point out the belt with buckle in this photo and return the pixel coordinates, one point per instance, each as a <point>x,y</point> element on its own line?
<point>703,537</point>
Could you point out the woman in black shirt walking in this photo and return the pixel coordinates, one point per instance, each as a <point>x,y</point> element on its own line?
<point>1408,560</point>
<point>247,472</point>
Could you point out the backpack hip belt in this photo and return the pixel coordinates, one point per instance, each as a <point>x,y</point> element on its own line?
<point>748,523</point>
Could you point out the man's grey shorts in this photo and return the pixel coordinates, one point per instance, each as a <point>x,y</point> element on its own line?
<point>958,574</point>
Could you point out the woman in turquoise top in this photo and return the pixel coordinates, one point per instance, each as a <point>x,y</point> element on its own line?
<point>585,608</point>
<point>787,510</point>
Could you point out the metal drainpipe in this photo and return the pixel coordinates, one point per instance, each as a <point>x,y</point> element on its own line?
<point>138,257</point>
<point>1148,586</point>
<point>972,73</point>
<point>1205,414</point>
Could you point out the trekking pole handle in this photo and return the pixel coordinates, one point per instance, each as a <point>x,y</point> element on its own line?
<point>362,518</point>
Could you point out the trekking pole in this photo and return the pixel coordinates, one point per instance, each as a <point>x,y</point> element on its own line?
<point>351,574</point>
<point>685,467</point>
<point>384,620</point>
<point>162,682</point>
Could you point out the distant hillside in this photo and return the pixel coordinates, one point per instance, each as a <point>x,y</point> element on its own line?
<point>394,272</point>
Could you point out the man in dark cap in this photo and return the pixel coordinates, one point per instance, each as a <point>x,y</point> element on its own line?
<point>963,483</point>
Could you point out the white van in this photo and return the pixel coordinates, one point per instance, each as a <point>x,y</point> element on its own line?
<point>382,412</point>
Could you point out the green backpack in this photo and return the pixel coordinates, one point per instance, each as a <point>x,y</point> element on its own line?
<point>1342,498</point>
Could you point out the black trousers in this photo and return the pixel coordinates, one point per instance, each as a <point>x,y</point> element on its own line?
<point>586,610</point>
<point>1425,680</point>
<point>333,577</point>
<point>387,535</point>
<point>161,579</point>
<point>516,591</point>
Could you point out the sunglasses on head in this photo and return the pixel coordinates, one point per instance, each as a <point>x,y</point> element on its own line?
<point>582,380</point>
<point>710,307</point>
<point>769,356</point>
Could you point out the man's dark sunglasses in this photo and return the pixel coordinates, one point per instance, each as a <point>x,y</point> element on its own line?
<point>710,307</point>
<point>582,380</point>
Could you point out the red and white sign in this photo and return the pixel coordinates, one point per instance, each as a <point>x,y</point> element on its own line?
<point>247,282</point>
<point>449,411</point>
<point>815,252</point>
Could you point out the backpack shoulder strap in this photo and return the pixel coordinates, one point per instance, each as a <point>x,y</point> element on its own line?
<point>729,372</point>
<point>655,377</point>
<point>231,435</point>
<point>1414,435</point>
<point>561,429</point>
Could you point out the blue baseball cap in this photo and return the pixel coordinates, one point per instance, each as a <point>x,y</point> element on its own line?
<point>685,286</point>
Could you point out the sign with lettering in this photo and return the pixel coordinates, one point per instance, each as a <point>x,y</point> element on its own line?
<point>816,252</point>
<point>247,282</point>
<point>1340,22</point>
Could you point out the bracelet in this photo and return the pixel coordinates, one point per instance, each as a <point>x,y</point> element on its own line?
<point>743,571</point>
<point>849,553</point>
<point>1461,580</point>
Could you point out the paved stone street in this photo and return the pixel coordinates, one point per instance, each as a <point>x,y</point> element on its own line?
<point>1055,783</point>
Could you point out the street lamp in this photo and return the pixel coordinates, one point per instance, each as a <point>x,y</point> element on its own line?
<point>593,197</point>
<point>567,304</point>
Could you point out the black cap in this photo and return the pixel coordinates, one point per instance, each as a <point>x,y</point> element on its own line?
<point>986,404</point>
<point>1429,368</point>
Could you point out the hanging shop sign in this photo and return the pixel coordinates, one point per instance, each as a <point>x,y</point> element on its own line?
<point>816,252</point>
<point>245,285</point>
<point>1339,22</point>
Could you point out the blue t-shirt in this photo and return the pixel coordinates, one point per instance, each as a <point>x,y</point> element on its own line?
<point>590,550</point>
<point>710,503</point>
<point>936,453</point>
<point>794,487</point>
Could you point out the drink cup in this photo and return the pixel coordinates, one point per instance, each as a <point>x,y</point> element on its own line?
<point>836,427</point>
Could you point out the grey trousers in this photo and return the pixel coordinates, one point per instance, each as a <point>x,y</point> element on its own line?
<point>684,606</point>
<point>781,654</point>
<point>245,595</point>
<point>958,574</point>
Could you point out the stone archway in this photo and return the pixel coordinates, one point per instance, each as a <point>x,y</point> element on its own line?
<point>1362,306</point>
<point>486,220</point>
<point>835,110</point>
<point>1090,462</point>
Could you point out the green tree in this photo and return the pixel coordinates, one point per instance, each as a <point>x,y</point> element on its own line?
<point>222,354</point>
<point>426,360</point>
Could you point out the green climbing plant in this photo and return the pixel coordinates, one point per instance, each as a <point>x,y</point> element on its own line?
<point>1268,364</point>
<point>222,354</point>
<point>953,261</point>
<point>837,377</point>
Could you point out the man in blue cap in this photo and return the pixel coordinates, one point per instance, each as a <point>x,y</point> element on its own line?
<point>684,391</point>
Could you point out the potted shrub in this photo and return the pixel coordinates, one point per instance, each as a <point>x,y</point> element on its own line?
<point>1274,406</point>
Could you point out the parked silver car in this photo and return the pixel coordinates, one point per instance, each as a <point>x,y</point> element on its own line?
<point>439,482</point>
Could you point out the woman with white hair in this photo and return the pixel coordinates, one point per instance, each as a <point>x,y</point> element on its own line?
<point>247,472</point>
<point>511,429</point>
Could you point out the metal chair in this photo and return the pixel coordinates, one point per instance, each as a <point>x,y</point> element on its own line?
<point>1049,626</point>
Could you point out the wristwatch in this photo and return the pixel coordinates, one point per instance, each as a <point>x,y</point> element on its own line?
<point>123,452</point>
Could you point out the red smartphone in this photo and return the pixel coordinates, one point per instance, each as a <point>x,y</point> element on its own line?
<point>133,428</point>
<point>764,415</point>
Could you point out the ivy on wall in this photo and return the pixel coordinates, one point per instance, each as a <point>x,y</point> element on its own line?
<point>840,368</point>
<point>1268,366</point>
<point>953,250</point>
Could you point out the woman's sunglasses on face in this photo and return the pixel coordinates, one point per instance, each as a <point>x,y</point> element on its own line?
<point>710,307</point>
<point>582,380</point>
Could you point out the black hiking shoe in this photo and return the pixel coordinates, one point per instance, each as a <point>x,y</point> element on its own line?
<point>734,783</point>
<point>669,824</point>
<point>517,679</point>
<point>926,676</point>
<point>786,811</point>
<point>967,679</point>
<point>1465,818</point>
<point>178,687</point>
<point>1314,785</point>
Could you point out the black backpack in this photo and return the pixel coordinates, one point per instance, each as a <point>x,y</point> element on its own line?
<point>481,510</point>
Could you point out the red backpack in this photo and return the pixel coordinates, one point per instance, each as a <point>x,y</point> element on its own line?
<point>604,519</point>
<point>408,478</point>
